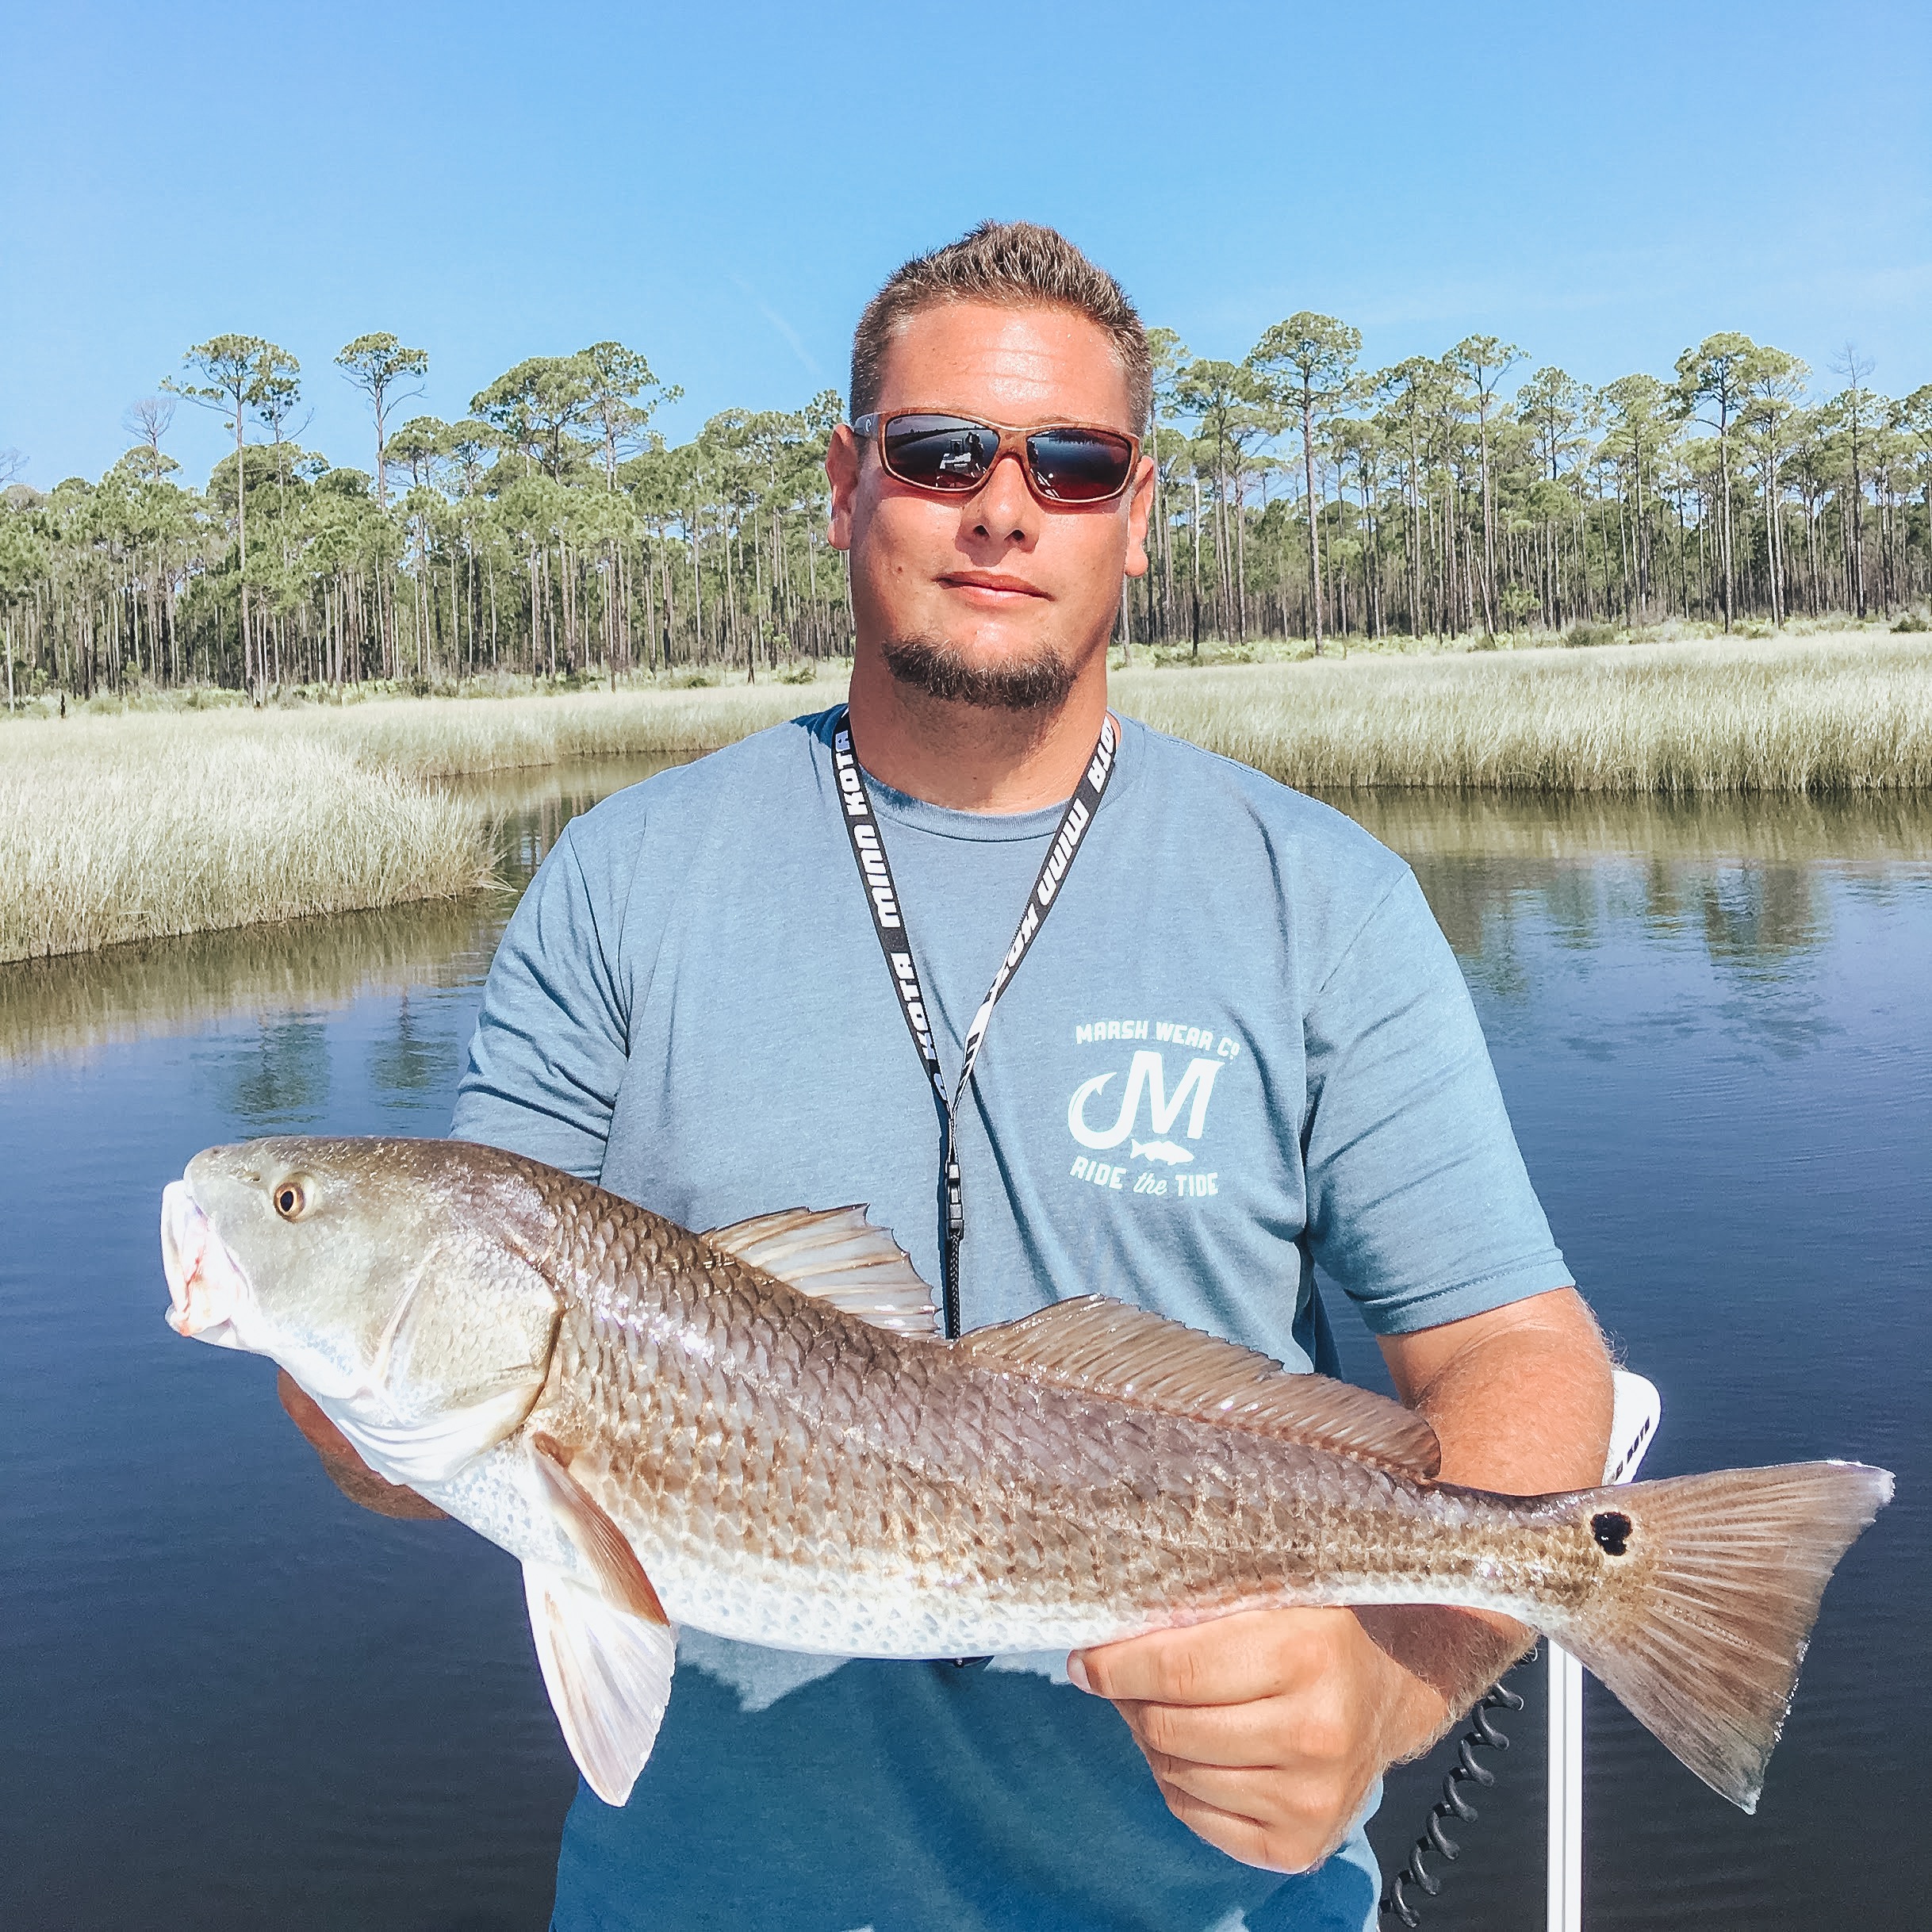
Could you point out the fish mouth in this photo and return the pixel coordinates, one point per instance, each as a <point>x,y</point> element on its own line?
<point>206,1289</point>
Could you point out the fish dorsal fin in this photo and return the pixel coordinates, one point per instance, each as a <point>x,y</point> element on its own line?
<point>1133,1355</point>
<point>838,1257</point>
<point>608,1674</point>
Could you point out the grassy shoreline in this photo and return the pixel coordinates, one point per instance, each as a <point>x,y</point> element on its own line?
<point>150,824</point>
<point>1790,715</point>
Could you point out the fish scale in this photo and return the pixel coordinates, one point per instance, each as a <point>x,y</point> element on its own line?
<point>749,1431</point>
<point>1050,1520</point>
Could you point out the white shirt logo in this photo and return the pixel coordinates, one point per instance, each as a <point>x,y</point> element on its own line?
<point>1147,1077</point>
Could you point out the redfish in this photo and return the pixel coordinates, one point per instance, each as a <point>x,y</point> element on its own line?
<point>756,1431</point>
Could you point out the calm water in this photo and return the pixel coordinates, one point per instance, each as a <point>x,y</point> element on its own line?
<point>233,1699</point>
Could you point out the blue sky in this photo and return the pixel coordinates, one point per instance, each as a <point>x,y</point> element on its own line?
<point>722,186</point>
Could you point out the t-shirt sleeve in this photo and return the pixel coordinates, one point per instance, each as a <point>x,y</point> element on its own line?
<point>1420,1207</point>
<point>551,1042</point>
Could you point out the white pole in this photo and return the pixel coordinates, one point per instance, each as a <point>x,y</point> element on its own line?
<point>1565,1900</point>
<point>1632,1425</point>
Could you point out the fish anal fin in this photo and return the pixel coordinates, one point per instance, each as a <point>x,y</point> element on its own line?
<point>600,1542</point>
<point>836,1256</point>
<point>608,1674</point>
<point>1110,1348</point>
<point>1459,1654</point>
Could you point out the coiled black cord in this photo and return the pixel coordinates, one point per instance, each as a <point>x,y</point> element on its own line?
<point>1481,1736</point>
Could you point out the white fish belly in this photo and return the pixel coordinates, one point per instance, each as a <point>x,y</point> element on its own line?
<point>783,1609</point>
<point>891,1612</point>
<point>498,1495</point>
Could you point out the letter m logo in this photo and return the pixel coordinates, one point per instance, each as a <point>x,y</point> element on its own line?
<point>1149,1076</point>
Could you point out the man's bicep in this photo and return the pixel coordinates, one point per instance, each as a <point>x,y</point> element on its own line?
<point>1419,1205</point>
<point>550,1046</point>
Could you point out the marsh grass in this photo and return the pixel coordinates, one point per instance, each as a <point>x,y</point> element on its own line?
<point>1803,715</point>
<point>441,737</point>
<point>113,834</point>
<point>119,828</point>
<point>130,827</point>
<point>1875,832</point>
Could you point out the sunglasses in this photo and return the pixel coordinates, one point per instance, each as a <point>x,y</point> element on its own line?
<point>952,455</point>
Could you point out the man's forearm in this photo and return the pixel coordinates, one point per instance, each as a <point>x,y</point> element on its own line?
<point>1522,1405</point>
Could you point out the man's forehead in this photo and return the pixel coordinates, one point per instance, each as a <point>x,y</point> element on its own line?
<point>1011,364</point>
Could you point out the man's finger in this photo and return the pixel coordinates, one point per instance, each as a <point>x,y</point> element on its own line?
<point>1232,1832</point>
<point>1232,1660</point>
<point>1307,1733</point>
<point>1248,1790</point>
<point>1310,1806</point>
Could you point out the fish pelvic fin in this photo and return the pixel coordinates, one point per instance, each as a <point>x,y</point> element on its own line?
<point>608,1674</point>
<point>1703,1636</point>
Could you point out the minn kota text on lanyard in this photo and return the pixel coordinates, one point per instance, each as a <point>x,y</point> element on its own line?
<point>889,923</point>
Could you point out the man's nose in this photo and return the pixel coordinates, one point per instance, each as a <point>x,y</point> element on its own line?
<point>1004,508</point>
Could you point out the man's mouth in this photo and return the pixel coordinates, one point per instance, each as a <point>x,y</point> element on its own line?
<point>993,586</point>
<point>205,1289</point>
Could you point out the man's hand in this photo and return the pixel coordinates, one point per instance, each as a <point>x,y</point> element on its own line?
<point>1266,1730</point>
<point>341,1464</point>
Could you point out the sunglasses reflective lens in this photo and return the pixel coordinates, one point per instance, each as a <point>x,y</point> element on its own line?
<point>940,452</point>
<point>1079,465</point>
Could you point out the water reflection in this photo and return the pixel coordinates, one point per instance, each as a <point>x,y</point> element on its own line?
<point>1759,916</point>
<point>277,1080</point>
<point>531,807</point>
<point>171,986</point>
<point>1754,919</point>
<point>1748,883</point>
<point>413,1060</point>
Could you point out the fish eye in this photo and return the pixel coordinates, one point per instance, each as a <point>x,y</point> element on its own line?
<point>292,1198</point>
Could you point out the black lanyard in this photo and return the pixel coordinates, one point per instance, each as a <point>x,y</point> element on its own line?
<point>889,923</point>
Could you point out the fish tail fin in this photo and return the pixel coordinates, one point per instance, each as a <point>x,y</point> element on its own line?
<point>1703,1637</point>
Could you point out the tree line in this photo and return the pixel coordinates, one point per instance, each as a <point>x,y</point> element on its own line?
<point>553,532</point>
<point>1304,495</point>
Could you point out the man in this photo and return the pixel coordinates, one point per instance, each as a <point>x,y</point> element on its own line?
<point>1236,1046</point>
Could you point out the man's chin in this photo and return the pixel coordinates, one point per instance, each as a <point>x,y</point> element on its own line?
<point>1038,678</point>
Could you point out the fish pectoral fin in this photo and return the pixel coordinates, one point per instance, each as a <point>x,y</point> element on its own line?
<point>602,1544</point>
<point>837,1255</point>
<point>1107,1348</point>
<point>608,1673</point>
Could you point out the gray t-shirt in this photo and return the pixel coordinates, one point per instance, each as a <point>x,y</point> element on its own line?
<point>1239,1048</point>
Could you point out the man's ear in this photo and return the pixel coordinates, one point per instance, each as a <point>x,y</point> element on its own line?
<point>842,458</point>
<point>1140,509</point>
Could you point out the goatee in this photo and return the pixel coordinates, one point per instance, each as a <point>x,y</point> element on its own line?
<point>941,670</point>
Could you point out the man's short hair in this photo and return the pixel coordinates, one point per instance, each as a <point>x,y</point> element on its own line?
<point>1012,265</point>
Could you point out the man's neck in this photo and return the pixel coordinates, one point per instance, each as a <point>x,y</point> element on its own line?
<point>968,757</point>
